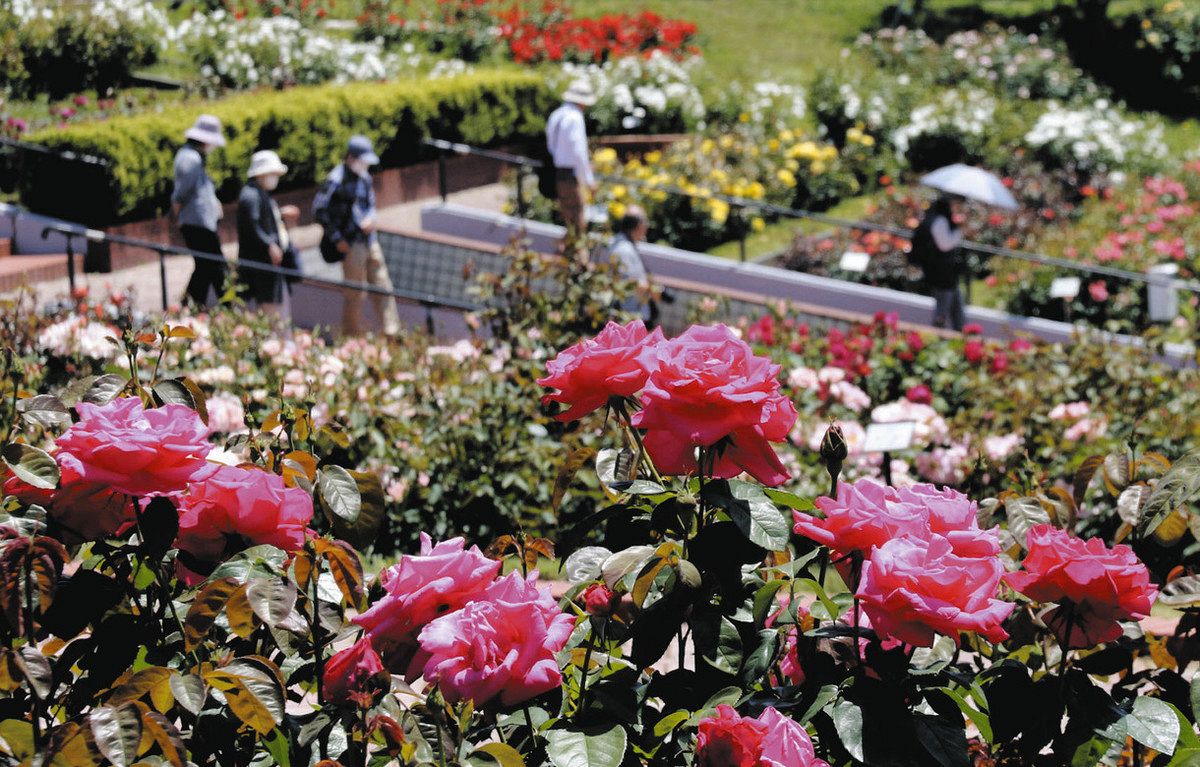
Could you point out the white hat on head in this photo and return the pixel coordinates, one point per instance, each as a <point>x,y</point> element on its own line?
<point>207,130</point>
<point>264,162</point>
<point>580,92</point>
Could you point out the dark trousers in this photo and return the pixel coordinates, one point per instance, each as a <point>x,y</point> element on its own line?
<point>206,273</point>
<point>948,308</point>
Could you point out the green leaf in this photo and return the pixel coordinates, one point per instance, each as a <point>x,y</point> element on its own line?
<point>117,732</point>
<point>848,720</point>
<point>338,493</point>
<point>44,409</point>
<point>758,662</point>
<point>982,721</point>
<point>1153,724</point>
<point>104,389</point>
<point>18,734</point>
<point>727,653</point>
<point>1023,513</point>
<point>1181,592</point>
<point>791,500</point>
<point>272,600</point>
<point>625,562</point>
<point>764,600</point>
<point>752,511</point>
<point>1179,486</point>
<point>669,722</point>
<point>1185,757</point>
<point>278,747</point>
<point>945,741</point>
<point>32,465</point>
<point>586,748</point>
<point>827,693</point>
<point>504,754</point>
<point>253,692</point>
<point>173,392</point>
<point>1195,697</point>
<point>189,692</point>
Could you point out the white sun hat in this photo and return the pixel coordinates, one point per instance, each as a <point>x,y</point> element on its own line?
<point>264,162</point>
<point>580,92</point>
<point>207,130</point>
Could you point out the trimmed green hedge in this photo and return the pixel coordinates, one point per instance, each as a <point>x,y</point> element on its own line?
<point>308,126</point>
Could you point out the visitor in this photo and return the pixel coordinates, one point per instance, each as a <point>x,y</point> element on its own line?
<point>197,210</point>
<point>263,238</point>
<point>566,142</point>
<point>623,251</point>
<point>935,249</point>
<point>345,208</point>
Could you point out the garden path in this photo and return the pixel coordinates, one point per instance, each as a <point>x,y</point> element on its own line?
<point>141,282</point>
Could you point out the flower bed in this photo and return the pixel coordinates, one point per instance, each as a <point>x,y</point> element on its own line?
<point>880,625</point>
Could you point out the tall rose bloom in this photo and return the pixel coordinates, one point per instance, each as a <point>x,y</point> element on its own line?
<point>1095,586</point>
<point>771,740</point>
<point>134,450</point>
<point>706,386</point>
<point>355,673</point>
<point>499,647</point>
<point>442,579</point>
<point>236,508</point>
<point>595,370</point>
<point>914,588</point>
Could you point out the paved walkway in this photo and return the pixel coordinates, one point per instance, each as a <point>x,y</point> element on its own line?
<point>142,283</point>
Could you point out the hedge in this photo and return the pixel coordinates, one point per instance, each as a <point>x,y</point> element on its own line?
<point>307,125</point>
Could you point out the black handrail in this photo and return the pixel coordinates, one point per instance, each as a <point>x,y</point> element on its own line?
<point>797,213</point>
<point>74,232</point>
<point>62,154</point>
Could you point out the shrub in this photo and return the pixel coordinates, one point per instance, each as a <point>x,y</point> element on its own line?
<point>86,45</point>
<point>308,126</point>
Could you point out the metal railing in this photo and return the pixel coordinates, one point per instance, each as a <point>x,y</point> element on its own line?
<point>61,154</point>
<point>74,233</point>
<point>526,164</point>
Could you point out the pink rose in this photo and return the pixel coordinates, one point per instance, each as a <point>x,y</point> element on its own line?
<point>442,579</point>
<point>913,588</point>
<point>920,394</point>
<point>355,674</point>
<point>973,351</point>
<point>865,514</point>
<point>771,740</point>
<point>136,451</point>
<point>236,508</point>
<point>707,387</point>
<point>593,371</point>
<point>1098,290</point>
<point>972,329</point>
<point>1095,586</point>
<point>599,600</point>
<point>500,646</point>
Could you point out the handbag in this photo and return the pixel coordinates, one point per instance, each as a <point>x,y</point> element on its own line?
<point>547,177</point>
<point>329,251</point>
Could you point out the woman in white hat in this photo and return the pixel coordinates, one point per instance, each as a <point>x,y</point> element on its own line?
<point>263,237</point>
<point>197,210</point>
<point>567,145</point>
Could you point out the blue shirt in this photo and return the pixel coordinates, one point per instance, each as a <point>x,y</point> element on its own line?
<point>344,201</point>
<point>194,190</point>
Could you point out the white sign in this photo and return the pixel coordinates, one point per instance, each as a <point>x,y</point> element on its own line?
<point>889,437</point>
<point>854,261</point>
<point>1065,287</point>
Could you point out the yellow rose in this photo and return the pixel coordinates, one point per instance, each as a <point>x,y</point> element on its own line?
<point>792,165</point>
<point>787,137</point>
<point>786,177</point>
<point>1153,38</point>
<point>818,168</point>
<point>1146,23</point>
<point>707,145</point>
<point>605,155</point>
<point>618,191</point>
<point>757,224</point>
<point>743,118</point>
<point>616,209</point>
<point>773,145</point>
<point>654,157</point>
<point>868,140</point>
<point>756,191</point>
<point>719,211</point>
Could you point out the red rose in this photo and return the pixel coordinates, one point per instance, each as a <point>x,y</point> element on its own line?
<point>590,373</point>
<point>999,362</point>
<point>973,351</point>
<point>920,394</point>
<point>972,329</point>
<point>134,450</point>
<point>356,674</point>
<point>242,507</point>
<point>599,600</point>
<point>729,740</point>
<point>1095,586</point>
<point>707,387</point>
<point>1019,345</point>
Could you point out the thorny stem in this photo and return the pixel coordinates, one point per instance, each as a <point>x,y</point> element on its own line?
<point>583,676</point>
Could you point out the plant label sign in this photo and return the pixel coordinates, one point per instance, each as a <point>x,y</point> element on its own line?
<point>854,261</point>
<point>889,437</point>
<point>1065,287</point>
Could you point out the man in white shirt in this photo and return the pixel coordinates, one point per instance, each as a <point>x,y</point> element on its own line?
<point>566,141</point>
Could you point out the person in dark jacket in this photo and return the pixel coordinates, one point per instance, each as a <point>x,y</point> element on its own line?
<point>936,250</point>
<point>345,209</point>
<point>197,210</point>
<point>263,237</point>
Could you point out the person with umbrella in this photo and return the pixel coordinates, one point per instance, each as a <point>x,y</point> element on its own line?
<point>937,241</point>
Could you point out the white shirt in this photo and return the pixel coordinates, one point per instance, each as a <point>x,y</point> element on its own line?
<point>566,140</point>
<point>944,237</point>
